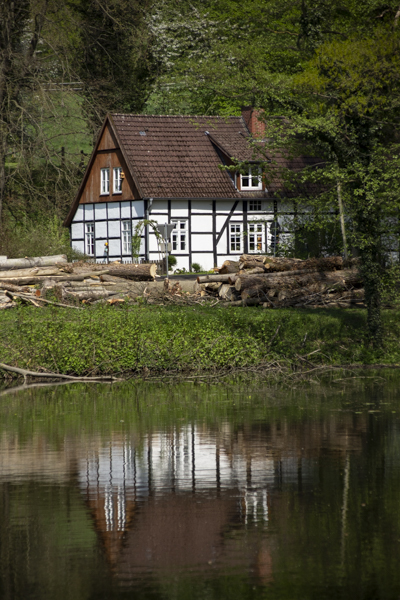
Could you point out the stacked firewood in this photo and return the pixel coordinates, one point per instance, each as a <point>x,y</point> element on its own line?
<point>253,280</point>
<point>52,280</point>
<point>281,282</point>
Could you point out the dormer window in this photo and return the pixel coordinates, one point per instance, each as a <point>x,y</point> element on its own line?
<point>252,179</point>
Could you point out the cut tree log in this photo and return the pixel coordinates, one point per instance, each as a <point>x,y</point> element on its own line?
<point>145,272</point>
<point>251,271</point>
<point>348,277</point>
<point>13,288</point>
<point>28,263</point>
<point>214,278</point>
<point>329,263</point>
<point>242,275</point>
<point>33,272</point>
<point>229,266</point>
<point>91,294</point>
<point>253,258</point>
<point>227,292</point>
<point>36,280</point>
<point>251,264</point>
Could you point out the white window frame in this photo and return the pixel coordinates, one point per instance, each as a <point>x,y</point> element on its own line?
<point>254,181</point>
<point>255,205</point>
<point>104,182</point>
<point>179,236</point>
<point>235,237</point>
<point>126,237</point>
<point>117,180</point>
<point>89,239</point>
<point>256,237</point>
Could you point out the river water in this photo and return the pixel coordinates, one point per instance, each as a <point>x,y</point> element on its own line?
<point>188,491</point>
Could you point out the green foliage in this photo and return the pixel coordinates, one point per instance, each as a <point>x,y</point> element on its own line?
<point>110,54</point>
<point>185,340</point>
<point>172,261</point>
<point>196,267</point>
<point>41,237</point>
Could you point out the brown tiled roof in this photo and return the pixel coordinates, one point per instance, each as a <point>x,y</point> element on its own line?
<point>173,157</point>
<point>238,146</point>
<point>176,156</point>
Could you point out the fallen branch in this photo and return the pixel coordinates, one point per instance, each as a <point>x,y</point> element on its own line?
<point>27,297</point>
<point>27,373</point>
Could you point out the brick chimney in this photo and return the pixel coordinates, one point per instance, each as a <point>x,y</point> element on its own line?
<point>250,116</point>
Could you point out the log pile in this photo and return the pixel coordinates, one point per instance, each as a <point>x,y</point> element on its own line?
<point>281,282</point>
<point>253,280</point>
<point>41,281</point>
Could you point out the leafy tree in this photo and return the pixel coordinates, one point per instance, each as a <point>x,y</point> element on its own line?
<point>40,122</point>
<point>111,55</point>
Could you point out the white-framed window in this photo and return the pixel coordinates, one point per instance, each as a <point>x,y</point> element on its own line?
<point>117,180</point>
<point>252,180</point>
<point>255,205</point>
<point>235,237</point>
<point>104,181</point>
<point>89,239</point>
<point>256,233</point>
<point>126,233</point>
<point>179,235</point>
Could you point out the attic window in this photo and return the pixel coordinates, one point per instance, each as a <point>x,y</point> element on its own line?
<point>252,180</point>
<point>104,181</point>
<point>142,133</point>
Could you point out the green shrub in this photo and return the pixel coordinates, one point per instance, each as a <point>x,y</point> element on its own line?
<point>43,236</point>
<point>171,261</point>
<point>196,267</point>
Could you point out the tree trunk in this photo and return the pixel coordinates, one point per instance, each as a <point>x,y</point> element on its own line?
<point>279,275</point>
<point>35,272</point>
<point>228,292</point>
<point>229,266</point>
<point>253,258</point>
<point>210,278</point>
<point>3,151</point>
<point>145,272</point>
<point>29,263</point>
<point>292,282</point>
<point>252,270</point>
<point>252,264</point>
<point>330,263</point>
<point>90,294</point>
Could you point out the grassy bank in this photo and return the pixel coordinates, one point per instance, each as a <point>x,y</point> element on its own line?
<point>187,340</point>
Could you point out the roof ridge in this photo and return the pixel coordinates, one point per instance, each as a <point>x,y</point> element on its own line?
<point>177,116</point>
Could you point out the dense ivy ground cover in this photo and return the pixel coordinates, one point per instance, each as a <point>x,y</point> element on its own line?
<point>187,340</point>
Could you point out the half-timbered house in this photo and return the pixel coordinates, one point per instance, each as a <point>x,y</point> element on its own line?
<point>170,169</point>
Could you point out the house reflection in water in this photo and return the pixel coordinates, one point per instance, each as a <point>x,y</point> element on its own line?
<point>196,497</point>
<point>179,500</point>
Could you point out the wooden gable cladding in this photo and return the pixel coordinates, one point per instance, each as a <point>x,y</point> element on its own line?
<point>107,140</point>
<point>107,156</point>
<point>111,159</point>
